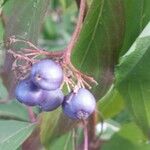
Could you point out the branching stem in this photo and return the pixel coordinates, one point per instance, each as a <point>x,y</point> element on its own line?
<point>34,49</point>
<point>76,32</point>
<point>31,54</point>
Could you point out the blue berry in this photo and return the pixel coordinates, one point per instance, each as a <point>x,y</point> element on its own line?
<point>47,74</point>
<point>79,105</point>
<point>28,93</point>
<point>51,100</point>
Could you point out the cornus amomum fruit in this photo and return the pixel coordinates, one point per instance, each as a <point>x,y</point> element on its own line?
<point>47,74</point>
<point>51,100</point>
<point>28,93</point>
<point>79,105</point>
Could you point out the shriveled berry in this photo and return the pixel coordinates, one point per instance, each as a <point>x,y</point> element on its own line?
<point>79,105</point>
<point>28,93</point>
<point>51,100</point>
<point>47,74</point>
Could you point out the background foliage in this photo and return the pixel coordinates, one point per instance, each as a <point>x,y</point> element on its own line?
<point>113,47</point>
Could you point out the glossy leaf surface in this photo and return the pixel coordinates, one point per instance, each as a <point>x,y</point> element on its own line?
<point>133,79</point>
<point>96,50</point>
<point>13,134</point>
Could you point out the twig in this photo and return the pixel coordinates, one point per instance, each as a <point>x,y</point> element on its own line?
<point>56,53</point>
<point>31,115</point>
<point>86,6</point>
<point>36,50</point>
<point>91,127</point>
<point>84,76</point>
<point>85,135</point>
<point>76,32</point>
<point>15,55</point>
<point>43,52</point>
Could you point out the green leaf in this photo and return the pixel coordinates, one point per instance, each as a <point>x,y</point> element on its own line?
<point>13,110</point>
<point>1,31</point>
<point>96,50</point>
<point>130,137</point>
<point>3,91</point>
<point>133,79</point>
<point>132,132</point>
<point>111,104</point>
<point>48,124</point>
<point>64,142</point>
<point>136,17</point>
<point>119,142</point>
<point>50,29</point>
<point>3,2</point>
<point>13,134</point>
<point>53,125</point>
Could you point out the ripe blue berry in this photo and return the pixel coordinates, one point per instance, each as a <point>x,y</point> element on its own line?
<point>79,105</point>
<point>47,74</point>
<point>28,93</point>
<point>51,100</point>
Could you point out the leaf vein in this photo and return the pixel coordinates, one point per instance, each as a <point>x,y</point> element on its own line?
<point>93,34</point>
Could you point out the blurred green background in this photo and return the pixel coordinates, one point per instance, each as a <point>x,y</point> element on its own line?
<point>107,35</point>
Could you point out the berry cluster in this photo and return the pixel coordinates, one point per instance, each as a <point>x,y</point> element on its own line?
<point>42,88</point>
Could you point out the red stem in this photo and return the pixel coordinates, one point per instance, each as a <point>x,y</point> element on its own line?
<point>47,53</point>
<point>56,54</point>
<point>91,126</point>
<point>85,135</point>
<point>76,31</point>
<point>67,51</point>
<point>31,114</point>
